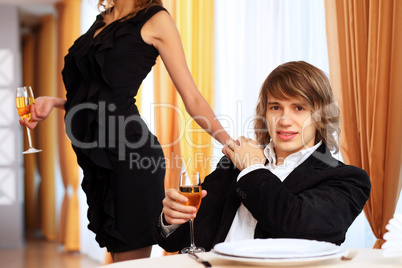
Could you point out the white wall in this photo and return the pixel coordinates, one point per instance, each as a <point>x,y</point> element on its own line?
<point>11,170</point>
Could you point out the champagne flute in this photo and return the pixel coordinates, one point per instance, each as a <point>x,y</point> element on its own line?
<point>25,99</point>
<point>190,187</point>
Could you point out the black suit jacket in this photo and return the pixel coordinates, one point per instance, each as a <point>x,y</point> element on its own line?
<point>319,200</point>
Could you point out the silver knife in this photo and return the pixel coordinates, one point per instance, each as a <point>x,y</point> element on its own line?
<point>199,260</point>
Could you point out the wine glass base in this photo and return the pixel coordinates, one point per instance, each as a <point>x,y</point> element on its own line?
<point>192,250</point>
<point>31,151</point>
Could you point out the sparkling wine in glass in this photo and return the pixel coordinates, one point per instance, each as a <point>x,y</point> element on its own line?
<point>24,100</point>
<point>190,186</point>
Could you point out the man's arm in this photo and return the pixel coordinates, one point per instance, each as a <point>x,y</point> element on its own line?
<point>321,207</point>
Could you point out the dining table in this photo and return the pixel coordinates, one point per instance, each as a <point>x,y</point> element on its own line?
<point>365,258</point>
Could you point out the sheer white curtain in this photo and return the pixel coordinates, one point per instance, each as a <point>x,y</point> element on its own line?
<point>252,38</point>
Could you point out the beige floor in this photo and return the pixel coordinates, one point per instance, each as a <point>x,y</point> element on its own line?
<point>38,253</point>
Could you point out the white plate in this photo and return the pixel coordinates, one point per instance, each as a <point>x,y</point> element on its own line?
<point>283,262</point>
<point>280,248</point>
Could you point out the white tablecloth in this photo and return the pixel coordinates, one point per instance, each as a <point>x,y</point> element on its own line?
<point>365,258</point>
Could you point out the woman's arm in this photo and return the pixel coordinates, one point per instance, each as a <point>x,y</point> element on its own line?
<point>161,32</point>
<point>41,110</point>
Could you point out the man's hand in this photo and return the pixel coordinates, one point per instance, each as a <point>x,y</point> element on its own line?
<point>173,209</point>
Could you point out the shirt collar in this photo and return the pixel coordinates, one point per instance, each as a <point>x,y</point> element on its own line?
<point>270,154</point>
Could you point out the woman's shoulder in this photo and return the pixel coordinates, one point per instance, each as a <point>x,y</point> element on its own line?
<point>154,9</point>
<point>158,25</point>
<point>145,14</point>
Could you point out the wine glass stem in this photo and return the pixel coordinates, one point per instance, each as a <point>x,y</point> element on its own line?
<point>29,138</point>
<point>192,244</point>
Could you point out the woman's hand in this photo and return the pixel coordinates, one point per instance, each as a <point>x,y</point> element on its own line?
<point>245,154</point>
<point>174,211</point>
<point>225,148</point>
<point>41,110</point>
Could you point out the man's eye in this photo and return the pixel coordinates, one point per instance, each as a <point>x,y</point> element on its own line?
<point>275,108</point>
<point>299,108</point>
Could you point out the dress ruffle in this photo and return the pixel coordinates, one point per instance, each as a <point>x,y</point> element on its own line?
<point>98,173</point>
<point>108,40</point>
<point>101,207</point>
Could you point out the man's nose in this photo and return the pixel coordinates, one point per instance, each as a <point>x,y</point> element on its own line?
<point>285,120</point>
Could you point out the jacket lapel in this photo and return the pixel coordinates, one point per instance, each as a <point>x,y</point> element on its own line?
<point>300,178</point>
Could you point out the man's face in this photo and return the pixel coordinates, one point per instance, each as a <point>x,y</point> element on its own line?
<point>290,126</point>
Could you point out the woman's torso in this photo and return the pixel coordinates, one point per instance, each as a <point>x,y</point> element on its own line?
<point>102,75</point>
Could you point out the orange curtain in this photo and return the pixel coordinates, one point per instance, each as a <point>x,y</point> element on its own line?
<point>45,84</point>
<point>69,12</point>
<point>167,115</point>
<point>195,21</point>
<point>30,188</point>
<point>364,41</point>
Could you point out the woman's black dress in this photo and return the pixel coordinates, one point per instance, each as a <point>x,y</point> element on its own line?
<point>123,163</point>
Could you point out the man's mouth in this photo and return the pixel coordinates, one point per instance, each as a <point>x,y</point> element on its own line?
<point>286,135</point>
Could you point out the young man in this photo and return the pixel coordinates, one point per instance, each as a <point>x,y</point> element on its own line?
<point>284,185</point>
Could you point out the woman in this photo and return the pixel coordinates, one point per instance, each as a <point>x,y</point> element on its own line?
<point>102,73</point>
